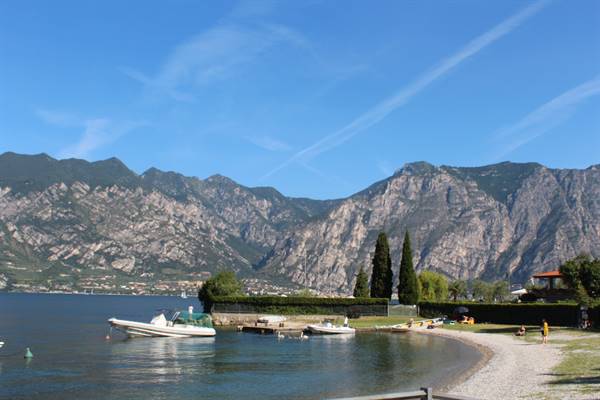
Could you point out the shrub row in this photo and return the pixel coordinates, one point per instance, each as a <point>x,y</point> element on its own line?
<point>522,313</point>
<point>299,305</point>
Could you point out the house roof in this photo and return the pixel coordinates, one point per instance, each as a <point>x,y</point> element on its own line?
<point>548,274</point>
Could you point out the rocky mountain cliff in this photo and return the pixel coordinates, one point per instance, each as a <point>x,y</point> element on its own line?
<point>69,223</point>
<point>464,222</point>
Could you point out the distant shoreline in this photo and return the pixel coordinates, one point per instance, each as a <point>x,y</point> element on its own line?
<point>100,294</point>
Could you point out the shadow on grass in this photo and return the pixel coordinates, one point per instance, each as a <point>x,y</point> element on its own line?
<point>511,329</point>
<point>584,380</point>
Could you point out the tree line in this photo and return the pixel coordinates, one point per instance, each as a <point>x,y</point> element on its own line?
<point>582,274</point>
<point>427,286</point>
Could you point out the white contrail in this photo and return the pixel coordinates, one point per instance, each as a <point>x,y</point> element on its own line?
<point>383,109</point>
<point>547,116</point>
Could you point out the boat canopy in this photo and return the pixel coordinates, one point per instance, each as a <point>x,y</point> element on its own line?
<point>197,319</point>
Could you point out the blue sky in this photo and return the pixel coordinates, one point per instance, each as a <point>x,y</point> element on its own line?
<point>316,98</point>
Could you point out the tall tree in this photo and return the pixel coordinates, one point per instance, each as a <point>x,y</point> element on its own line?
<point>500,290</point>
<point>381,279</point>
<point>433,286</point>
<point>582,274</point>
<point>458,289</point>
<point>408,287</point>
<point>223,284</point>
<point>361,288</point>
<point>482,290</point>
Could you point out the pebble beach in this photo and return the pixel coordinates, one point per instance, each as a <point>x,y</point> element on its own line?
<point>511,368</point>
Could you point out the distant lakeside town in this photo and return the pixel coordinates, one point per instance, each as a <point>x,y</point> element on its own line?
<point>110,286</point>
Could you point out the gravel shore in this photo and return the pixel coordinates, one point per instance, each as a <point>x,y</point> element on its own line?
<point>511,368</point>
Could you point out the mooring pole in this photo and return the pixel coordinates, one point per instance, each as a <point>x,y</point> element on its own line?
<point>428,393</point>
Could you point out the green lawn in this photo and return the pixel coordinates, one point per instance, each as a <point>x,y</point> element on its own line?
<point>492,328</point>
<point>532,330</point>
<point>580,365</point>
<point>371,322</point>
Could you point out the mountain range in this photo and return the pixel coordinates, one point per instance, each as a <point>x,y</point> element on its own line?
<point>66,223</point>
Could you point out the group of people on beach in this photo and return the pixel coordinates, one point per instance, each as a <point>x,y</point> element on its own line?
<point>544,330</point>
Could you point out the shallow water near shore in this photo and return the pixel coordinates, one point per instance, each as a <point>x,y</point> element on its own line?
<point>72,358</point>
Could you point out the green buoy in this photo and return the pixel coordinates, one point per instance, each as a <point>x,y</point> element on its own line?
<point>28,353</point>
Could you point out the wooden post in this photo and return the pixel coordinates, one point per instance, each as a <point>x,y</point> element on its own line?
<point>428,393</point>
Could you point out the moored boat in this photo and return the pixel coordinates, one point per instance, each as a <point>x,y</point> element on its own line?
<point>181,324</point>
<point>328,328</point>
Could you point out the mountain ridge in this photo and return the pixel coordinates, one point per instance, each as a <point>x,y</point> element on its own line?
<point>82,220</point>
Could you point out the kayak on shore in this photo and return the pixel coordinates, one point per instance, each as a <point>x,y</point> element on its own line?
<point>417,325</point>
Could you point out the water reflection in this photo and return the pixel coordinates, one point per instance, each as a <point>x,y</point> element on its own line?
<point>335,338</point>
<point>162,360</point>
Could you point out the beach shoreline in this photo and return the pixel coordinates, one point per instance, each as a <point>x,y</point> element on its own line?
<point>509,368</point>
<point>486,355</point>
<point>486,379</point>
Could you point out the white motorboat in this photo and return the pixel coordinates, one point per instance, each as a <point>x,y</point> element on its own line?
<point>181,324</point>
<point>328,328</point>
<point>1,344</point>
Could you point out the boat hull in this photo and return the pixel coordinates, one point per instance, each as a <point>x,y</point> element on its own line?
<point>330,330</point>
<point>141,329</point>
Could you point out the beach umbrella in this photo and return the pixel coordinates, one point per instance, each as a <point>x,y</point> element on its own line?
<point>461,310</point>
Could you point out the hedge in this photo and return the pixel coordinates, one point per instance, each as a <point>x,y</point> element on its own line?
<point>521,313</point>
<point>298,305</point>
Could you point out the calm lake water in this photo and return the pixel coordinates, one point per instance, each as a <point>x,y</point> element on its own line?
<point>72,359</point>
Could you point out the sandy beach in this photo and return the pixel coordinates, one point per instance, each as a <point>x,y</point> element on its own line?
<point>511,368</point>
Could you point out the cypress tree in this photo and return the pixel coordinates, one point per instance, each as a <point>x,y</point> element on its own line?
<point>381,279</point>
<point>408,287</point>
<point>361,288</point>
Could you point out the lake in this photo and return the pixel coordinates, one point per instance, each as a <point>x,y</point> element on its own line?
<point>72,358</point>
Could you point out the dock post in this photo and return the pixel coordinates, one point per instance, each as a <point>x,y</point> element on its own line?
<point>428,393</point>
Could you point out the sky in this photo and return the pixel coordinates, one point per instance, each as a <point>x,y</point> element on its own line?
<point>318,99</point>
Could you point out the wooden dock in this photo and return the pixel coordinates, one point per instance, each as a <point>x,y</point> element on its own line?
<point>271,329</point>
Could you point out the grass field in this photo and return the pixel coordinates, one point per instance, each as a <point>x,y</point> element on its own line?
<point>371,322</point>
<point>580,365</point>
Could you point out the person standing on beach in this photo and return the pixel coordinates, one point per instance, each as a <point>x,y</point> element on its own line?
<point>545,329</point>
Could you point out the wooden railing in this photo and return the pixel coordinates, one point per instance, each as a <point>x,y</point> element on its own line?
<point>422,394</point>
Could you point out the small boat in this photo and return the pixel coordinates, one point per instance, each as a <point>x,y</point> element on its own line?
<point>183,295</point>
<point>327,328</point>
<point>271,319</point>
<point>181,324</point>
<point>1,344</point>
<point>417,325</point>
